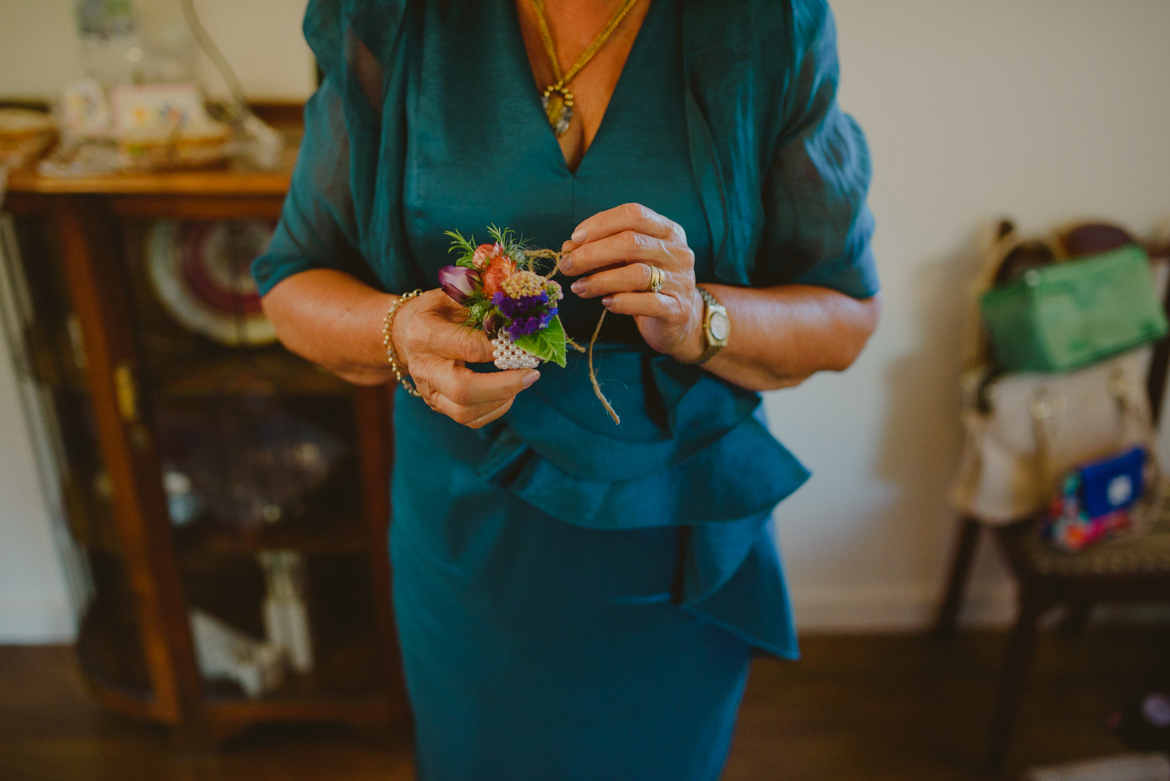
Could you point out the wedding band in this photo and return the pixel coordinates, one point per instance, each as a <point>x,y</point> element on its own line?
<point>656,279</point>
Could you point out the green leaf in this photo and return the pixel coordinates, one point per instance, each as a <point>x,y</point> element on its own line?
<point>548,345</point>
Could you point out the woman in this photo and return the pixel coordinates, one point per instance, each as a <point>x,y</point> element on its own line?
<point>575,599</point>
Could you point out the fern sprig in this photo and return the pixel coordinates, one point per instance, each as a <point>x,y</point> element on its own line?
<point>514,247</point>
<point>466,248</point>
<point>467,245</point>
<point>502,236</point>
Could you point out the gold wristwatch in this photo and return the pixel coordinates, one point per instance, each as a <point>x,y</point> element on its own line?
<point>716,327</point>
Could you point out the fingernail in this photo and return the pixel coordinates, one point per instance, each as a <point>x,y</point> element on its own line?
<point>578,287</point>
<point>531,378</point>
<point>579,235</point>
<point>566,262</point>
<point>607,302</point>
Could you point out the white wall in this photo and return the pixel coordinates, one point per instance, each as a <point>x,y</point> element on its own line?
<point>1041,109</point>
<point>260,38</point>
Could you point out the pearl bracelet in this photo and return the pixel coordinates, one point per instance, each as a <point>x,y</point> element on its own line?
<point>388,341</point>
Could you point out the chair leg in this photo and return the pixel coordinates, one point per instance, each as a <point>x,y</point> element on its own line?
<point>1020,652</point>
<point>964,554</point>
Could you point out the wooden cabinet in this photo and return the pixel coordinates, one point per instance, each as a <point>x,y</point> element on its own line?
<point>96,351</point>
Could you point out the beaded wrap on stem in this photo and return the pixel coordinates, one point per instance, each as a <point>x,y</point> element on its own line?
<point>509,356</point>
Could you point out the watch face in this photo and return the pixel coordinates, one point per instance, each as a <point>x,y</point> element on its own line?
<point>720,326</point>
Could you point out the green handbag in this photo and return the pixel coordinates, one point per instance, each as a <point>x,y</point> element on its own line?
<point>1067,315</point>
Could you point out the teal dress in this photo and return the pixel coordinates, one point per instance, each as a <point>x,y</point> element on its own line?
<point>575,599</point>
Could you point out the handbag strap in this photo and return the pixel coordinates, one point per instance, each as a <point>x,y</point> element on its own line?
<point>1045,406</point>
<point>997,240</point>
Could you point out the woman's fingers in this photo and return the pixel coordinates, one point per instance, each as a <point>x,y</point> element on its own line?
<point>432,325</point>
<point>472,416</point>
<point>634,278</point>
<point>495,414</point>
<point>656,305</point>
<point>468,397</point>
<point>628,217</point>
<point>625,247</point>
<point>438,346</point>
<point>617,254</point>
<point>467,388</point>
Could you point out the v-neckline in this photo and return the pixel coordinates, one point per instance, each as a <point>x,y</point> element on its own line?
<point>526,70</point>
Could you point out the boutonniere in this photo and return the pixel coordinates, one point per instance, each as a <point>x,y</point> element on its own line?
<point>508,298</point>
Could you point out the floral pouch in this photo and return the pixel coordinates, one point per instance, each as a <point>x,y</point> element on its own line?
<point>1095,501</point>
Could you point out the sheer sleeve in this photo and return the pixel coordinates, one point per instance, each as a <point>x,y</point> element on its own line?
<point>317,227</point>
<point>817,227</point>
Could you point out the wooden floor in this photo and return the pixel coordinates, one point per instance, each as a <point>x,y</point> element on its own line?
<point>854,708</point>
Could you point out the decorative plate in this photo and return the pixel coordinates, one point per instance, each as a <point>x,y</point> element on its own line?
<point>201,271</point>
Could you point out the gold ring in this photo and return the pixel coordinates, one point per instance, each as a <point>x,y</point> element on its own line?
<point>656,279</point>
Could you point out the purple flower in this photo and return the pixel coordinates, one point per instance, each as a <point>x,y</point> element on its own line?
<point>530,324</point>
<point>520,307</point>
<point>460,283</point>
<point>524,315</point>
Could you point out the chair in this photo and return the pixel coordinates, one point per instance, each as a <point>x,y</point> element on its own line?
<point>1136,570</point>
<point>1124,571</point>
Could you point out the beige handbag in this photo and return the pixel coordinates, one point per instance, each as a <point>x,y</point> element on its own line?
<point>1023,432</point>
<point>1030,429</point>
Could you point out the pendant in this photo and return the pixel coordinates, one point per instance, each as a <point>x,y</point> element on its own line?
<point>558,107</point>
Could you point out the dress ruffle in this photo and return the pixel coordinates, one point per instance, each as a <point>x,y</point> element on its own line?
<point>692,452</point>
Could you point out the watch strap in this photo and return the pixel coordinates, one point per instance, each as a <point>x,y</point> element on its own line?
<point>712,349</point>
<point>708,354</point>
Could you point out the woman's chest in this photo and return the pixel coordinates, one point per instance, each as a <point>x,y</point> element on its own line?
<point>576,46</point>
<point>481,151</point>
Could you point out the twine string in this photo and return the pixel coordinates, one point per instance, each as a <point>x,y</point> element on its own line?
<point>548,254</point>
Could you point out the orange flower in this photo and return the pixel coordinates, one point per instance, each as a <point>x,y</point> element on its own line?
<point>485,254</point>
<point>500,268</point>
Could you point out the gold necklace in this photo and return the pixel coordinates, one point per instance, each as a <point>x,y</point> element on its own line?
<point>557,99</point>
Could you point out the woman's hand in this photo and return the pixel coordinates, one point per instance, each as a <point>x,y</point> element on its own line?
<point>432,345</point>
<point>613,253</point>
